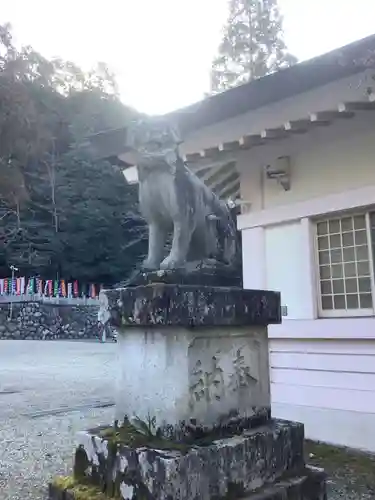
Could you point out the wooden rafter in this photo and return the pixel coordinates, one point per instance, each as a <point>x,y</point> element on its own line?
<point>330,116</point>
<point>356,106</point>
<point>213,172</point>
<point>192,157</point>
<point>231,191</point>
<point>229,146</point>
<point>216,165</point>
<point>219,174</point>
<point>210,152</point>
<point>228,179</point>
<point>249,141</point>
<point>204,163</point>
<point>297,126</point>
<point>274,133</point>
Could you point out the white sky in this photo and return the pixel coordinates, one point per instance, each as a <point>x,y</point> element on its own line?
<point>161,50</point>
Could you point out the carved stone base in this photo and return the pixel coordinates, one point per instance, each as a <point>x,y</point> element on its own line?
<point>193,381</point>
<point>264,463</point>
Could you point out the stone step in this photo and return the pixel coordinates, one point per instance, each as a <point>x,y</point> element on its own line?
<point>310,485</point>
<point>241,463</point>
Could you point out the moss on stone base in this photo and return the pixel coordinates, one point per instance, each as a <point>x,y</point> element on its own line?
<point>64,482</point>
<point>78,491</point>
<point>128,435</point>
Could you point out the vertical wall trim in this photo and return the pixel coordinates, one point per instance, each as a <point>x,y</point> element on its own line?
<point>254,258</point>
<point>311,268</point>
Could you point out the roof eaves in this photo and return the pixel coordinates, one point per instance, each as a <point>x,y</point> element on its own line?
<point>302,77</point>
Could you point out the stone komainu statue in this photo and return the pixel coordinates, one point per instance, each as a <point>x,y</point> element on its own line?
<point>174,200</point>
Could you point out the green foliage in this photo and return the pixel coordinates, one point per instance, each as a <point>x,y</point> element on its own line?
<point>60,212</point>
<point>77,490</point>
<point>252,45</point>
<point>139,434</point>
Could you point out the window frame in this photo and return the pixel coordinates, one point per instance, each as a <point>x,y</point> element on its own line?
<point>344,313</point>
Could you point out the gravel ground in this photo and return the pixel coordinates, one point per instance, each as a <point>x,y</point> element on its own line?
<point>38,381</point>
<point>51,390</point>
<point>351,475</point>
<point>35,451</point>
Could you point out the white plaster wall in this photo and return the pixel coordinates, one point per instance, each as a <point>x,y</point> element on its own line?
<point>329,385</point>
<point>346,162</point>
<point>278,258</point>
<point>283,254</point>
<point>324,161</point>
<point>253,258</point>
<point>322,370</point>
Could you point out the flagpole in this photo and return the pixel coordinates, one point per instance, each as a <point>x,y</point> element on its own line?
<point>13,269</point>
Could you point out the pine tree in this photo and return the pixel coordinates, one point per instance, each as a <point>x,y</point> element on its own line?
<point>252,46</point>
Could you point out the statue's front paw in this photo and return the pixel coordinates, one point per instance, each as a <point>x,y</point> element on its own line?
<point>170,263</point>
<point>150,265</point>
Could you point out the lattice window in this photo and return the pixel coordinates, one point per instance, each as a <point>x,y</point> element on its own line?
<point>345,258</point>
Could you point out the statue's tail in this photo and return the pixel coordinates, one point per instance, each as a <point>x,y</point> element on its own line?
<point>230,252</point>
<point>229,235</point>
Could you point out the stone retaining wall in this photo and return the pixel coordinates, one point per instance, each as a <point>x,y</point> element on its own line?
<point>40,321</point>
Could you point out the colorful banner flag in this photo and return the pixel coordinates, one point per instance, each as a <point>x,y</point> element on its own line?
<point>30,286</point>
<point>23,283</point>
<point>57,288</point>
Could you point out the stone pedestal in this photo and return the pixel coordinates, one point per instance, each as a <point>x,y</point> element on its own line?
<point>193,402</point>
<point>193,358</point>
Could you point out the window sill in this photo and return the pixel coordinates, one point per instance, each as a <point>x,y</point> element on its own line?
<point>354,313</point>
<point>344,328</point>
